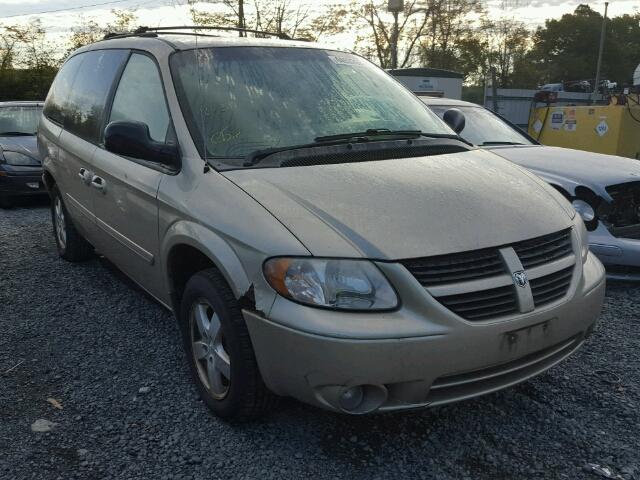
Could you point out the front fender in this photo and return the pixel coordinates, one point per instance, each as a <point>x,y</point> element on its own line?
<point>215,247</point>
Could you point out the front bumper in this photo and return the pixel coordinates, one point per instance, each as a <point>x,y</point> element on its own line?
<point>14,185</point>
<point>420,355</point>
<point>615,252</point>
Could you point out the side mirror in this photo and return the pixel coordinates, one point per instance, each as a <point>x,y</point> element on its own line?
<point>455,119</point>
<point>132,139</point>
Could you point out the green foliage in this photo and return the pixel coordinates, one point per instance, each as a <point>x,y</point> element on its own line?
<point>567,49</point>
<point>28,62</point>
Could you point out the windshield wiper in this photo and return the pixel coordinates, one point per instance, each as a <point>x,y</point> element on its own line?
<point>384,132</point>
<point>345,138</point>
<point>501,143</point>
<point>17,134</point>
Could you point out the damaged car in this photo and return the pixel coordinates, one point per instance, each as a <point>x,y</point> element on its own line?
<point>20,169</point>
<point>345,248</point>
<point>604,189</point>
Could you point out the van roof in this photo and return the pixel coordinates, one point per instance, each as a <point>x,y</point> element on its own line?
<point>188,41</point>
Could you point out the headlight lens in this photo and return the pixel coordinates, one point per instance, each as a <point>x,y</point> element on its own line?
<point>584,238</point>
<point>584,209</point>
<point>17,158</point>
<point>331,283</point>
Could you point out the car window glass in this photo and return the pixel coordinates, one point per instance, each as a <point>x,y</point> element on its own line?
<point>59,91</point>
<point>19,119</point>
<point>83,111</point>
<point>241,99</point>
<point>140,97</point>
<point>483,127</point>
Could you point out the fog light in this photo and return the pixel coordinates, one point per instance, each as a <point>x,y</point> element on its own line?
<point>351,398</point>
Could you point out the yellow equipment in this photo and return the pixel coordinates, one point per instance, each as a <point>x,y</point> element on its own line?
<point>612,129</point>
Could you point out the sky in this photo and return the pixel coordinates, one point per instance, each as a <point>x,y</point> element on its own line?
<point>175,12</point>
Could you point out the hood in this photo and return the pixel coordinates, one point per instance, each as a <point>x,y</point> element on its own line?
<point>570,168</point>
<point>403,208</point>
<point>27,145</point>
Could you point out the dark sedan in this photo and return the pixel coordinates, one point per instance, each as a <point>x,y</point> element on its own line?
<point>20,168</point>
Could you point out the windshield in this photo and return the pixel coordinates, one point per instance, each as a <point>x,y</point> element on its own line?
<point>16,120</point>
<point>482,127</point>
<point>238,100</point>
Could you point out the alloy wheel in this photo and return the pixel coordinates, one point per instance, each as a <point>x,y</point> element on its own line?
<point>59,223</point>
<point>209,354</point>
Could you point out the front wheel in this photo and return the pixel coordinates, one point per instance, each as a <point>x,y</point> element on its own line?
<point>219,350</point>
<point>71,245</point>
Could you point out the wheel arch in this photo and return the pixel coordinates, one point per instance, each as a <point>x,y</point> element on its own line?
<point>48,179</point>
<point>189,248</point>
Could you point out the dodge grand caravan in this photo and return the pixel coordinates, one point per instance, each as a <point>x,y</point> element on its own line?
<point>317,232</point>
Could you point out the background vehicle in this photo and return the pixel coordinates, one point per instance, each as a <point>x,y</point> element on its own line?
<point>604,189</point>
<point>20,169</point>
<point>345,248</point>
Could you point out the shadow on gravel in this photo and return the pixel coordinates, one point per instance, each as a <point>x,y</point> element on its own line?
<point>30,202</point>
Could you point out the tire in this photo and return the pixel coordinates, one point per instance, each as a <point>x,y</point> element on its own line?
<point>5,202</point>
<point>222,346</point>
<point>71,245</point>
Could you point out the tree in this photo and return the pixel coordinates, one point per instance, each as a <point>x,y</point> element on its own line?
<point>89,31</point>
<point>297,20</point>
<point>436,33</point>
<point>508,43</point>
<point>29,61</point>
<point>567,48</point>
<point>450,31</point>
<point>374,27</point>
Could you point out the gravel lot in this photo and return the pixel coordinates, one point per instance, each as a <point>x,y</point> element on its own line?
<point>86,337</point>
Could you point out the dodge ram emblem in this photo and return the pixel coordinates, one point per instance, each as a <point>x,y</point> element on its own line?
<point>520,278</point>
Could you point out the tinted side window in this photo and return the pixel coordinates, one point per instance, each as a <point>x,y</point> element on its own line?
<point>83,111</point>
<point>140,97</point>
<point>59,92</point>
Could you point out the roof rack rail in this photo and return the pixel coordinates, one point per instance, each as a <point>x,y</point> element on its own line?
<point>154,31</point>
<point>280,35</point>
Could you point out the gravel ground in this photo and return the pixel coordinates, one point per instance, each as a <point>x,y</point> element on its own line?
<point>83,335</point>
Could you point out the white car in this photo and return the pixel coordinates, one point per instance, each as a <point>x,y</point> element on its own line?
<point>604,189</point>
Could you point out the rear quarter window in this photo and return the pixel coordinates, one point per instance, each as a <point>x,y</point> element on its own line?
<point>59,91</point>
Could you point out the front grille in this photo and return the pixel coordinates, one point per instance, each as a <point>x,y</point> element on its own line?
<point>622,216</point>
<point>446,277</point>
<point>551,287</point>
<point>541,250</point>
<point>458,267</point>
<point>483,304</point>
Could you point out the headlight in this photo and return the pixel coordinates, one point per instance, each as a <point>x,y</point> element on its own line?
<point>584,238</point>
<point>331,283</point>
<point>17,158</point>
<point>584,209</point>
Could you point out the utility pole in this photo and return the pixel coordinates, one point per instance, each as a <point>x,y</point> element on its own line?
<point>395,7</point>
<point>602,32</point>
<point>241,16</point>
<point>494,89</point>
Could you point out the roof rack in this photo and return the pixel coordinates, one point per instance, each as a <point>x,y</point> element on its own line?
<point>153,31</point>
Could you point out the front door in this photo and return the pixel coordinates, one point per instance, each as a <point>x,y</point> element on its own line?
<point>125,203</point>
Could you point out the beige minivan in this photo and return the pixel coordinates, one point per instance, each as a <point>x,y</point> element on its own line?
<point>317,232</point>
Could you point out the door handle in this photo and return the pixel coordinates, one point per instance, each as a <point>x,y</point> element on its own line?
<point>98,183</point>
<point>85,175</point>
